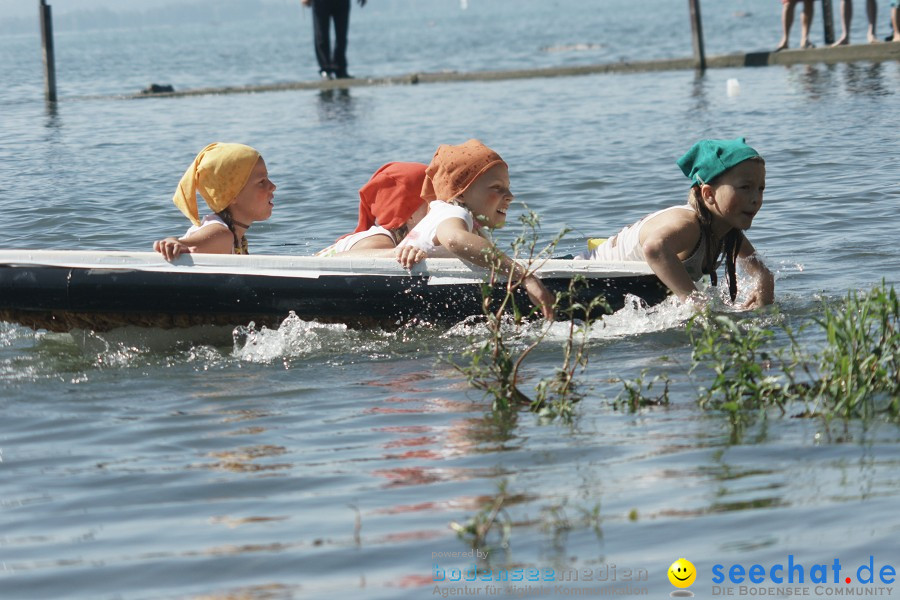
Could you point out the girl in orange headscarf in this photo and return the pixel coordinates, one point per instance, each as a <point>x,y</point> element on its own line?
<point>234,182</point>
<point>390,204</point>
<point>468,189</point>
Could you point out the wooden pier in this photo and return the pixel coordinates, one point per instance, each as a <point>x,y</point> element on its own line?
<point>881,52</point>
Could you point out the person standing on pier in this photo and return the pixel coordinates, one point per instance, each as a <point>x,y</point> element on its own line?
<point>847,16</point>
<point>895,19</point>
<point>332,64</point>
<point>787,20</point>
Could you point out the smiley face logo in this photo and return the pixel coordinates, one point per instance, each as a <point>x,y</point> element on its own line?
<point>682,573</point>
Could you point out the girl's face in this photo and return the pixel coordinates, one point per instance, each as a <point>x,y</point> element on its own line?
<point>489,197</point>
<point>736,196</point>
<point>254,201</point>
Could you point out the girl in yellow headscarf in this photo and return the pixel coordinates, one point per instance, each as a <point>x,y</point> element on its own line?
<point>234,182</point>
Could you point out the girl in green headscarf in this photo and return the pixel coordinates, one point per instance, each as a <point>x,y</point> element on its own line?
<point>682,243</point>
<point>234,182</point>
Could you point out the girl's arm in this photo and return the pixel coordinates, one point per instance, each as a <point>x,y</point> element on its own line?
<point>663,240</point>
<point>453,235</point>
<point>407,256</point>
<point>211,239</point>
<point>763,293</point>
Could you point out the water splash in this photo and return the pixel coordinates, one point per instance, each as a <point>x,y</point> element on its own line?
<point>33,355</point>
<point>11,334</point>
<point>476,326</point>
<point>636,318</point>
<point>205,357</point>
<point>296,338</point>
<point>28,356</point>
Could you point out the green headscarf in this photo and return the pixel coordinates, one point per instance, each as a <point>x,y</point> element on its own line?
<point>707,159</point>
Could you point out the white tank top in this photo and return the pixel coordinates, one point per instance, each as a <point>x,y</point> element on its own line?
<point>346,243</point>
<point>626,245</point>
<point>422,235</point>
<point>216,220</point>
<point>208,220</point>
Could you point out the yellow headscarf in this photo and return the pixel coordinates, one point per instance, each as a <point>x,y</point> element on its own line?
<point>219,173</point>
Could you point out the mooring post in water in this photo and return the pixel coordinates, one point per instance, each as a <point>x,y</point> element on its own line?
<point>828,21</point>
<point>697,31</point>
<point>49,61</point>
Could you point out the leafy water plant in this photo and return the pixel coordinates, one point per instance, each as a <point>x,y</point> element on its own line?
<point>738,355</point>
<point>555,519</point>
<point>856,373</point>
<point>556,396</point>
<point>475,531</point>
<point>491,527</point>
<point>637,393</point>
<point>493,365</point>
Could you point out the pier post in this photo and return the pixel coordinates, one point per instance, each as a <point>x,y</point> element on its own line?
<point>828,21</point>
<point>697,34</point>
<point>47,44</point>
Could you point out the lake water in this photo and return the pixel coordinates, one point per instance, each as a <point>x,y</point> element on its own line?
<point>312,460</point>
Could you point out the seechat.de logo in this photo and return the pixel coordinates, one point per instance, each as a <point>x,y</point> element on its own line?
<point>799,572</point>
<point>827,579</point>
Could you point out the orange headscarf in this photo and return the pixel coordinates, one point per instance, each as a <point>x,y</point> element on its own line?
<point>391,196</point>
<point>218,173</point>
<point>454,168</point>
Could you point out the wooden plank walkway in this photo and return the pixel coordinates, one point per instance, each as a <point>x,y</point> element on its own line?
<point>881,52</point>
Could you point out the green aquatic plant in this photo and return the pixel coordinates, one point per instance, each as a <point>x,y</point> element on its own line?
<point>476,530</point>
<point>854,375</point>
<point>638,393</point>
<point>739,354</point>
<point>557,395</point>
<point>858,374</point>
<point>491,527</point>
<point>555,519</point>
<point>556,523</point>
<point>493,365</point>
